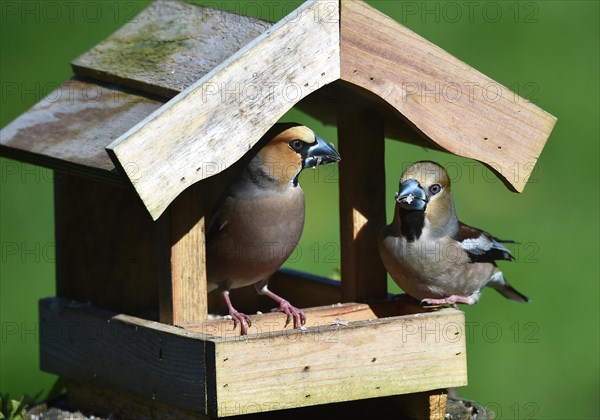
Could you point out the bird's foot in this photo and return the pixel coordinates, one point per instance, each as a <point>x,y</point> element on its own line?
<point>286,307</point>
<point>293,313</point>
<point>451,300</point>
<point>243,319</point>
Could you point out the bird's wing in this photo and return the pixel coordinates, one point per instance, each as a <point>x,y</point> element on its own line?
<point>480,245</point>
<point>218,196</point>
<point>218,218</point>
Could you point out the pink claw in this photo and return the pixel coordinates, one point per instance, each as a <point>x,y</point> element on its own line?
<point>243,319</point>
<point>292,313</point>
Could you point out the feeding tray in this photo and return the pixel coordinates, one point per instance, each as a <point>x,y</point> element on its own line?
<point>345,352</point>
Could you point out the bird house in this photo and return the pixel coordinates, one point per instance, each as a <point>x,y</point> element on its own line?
<point>141,138</point>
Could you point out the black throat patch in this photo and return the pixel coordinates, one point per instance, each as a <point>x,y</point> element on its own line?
<point>411,223</point>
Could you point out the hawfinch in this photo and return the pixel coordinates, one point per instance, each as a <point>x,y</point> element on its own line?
<point>433,256</point>
<point>259,220</point>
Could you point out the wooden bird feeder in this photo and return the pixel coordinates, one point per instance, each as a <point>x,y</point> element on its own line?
<point>141,138</point>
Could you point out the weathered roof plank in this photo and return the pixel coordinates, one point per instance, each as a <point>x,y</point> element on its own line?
<point>168,47</point>
<point>71,127</point>
<point>449,102</point>
<point>225,113</point>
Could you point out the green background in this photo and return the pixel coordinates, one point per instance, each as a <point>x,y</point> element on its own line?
<point>537,360</point>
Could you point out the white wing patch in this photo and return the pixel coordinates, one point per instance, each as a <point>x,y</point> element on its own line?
<point>477,246</point>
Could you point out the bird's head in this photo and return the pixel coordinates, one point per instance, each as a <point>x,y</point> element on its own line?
<point>291,148</point>
<point>425,187</point>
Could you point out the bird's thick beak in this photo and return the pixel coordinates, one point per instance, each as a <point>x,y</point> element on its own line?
<point>320,153</point>
<point>411,195</point>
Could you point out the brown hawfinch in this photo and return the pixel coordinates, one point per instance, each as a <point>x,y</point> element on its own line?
<point>433,256</point>
<point>259,220</point>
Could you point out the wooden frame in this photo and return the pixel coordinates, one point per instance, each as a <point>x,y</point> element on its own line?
<point>209,369</point>
<point>140,165</point>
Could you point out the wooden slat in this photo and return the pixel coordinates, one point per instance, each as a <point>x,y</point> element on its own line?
<point>275,321</point>
<point>183,292</point>
<point>327,315</point>
<point>168,46</point>
<point>422,405</point>
<point>363,359</point>
<point>362,202</point>
<point>451,103</point>
<point>106,247</point>
<point>222,115</point>
<point>144,358</point>
<point>70,128</point>
<point>110,403</point>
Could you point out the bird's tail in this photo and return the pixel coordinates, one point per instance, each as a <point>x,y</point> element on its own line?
<point>499,283</point>
<point>511,293</point>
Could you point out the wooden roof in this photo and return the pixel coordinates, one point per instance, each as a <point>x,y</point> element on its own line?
<point>227,78</point>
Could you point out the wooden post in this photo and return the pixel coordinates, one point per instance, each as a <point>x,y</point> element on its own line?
<point>182,289</point>
<point>106,252</point>
<point>362,201</point>
<point>423,405</point>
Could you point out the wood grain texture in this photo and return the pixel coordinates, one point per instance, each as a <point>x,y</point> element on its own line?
<point>168,46</point>
<point>316,316</point>
<point>114,404</point>
<point>106,247</point>
<point>452,104</point>
<point>362,202</point>
<point>362,359</point>
<point>221,116</point>
<point>172,44</point>
<point>144,358</point>
<point>424,405</point>
<point>357,351</point>
<point>69,129</point>
<point>271,322</point>
<point>438,400</point>
<point>183,291</point>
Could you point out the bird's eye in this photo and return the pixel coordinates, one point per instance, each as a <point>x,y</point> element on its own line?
<point>296,144</point>
<point>435,188</point>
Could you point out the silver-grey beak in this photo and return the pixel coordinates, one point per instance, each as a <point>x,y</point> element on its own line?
<point>320,153</point>
<point>411,195</point>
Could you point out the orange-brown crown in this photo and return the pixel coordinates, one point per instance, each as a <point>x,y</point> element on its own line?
<point>279,158</point>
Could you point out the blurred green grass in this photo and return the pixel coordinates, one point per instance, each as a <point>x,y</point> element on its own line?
<point>539,360</point>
